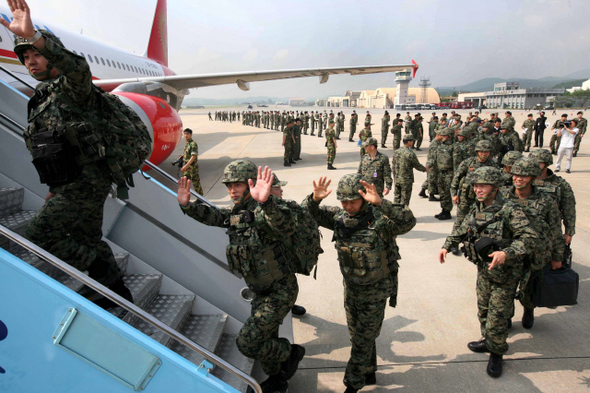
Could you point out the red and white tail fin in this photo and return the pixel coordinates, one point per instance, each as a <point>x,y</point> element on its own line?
<point>158,44</point>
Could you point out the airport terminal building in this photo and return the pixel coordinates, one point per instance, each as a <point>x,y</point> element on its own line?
<point>509,95</point>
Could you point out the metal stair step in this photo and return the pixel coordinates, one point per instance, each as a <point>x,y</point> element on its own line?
<point>144,289</point>
<point>16,222</point>
<point>228,351</point>
<point>205,330</point>
<point>11,200</point>
<point>173,310</point>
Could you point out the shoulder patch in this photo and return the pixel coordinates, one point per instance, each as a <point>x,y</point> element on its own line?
<point>519,213</point>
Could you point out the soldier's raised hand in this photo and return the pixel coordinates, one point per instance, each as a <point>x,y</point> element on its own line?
<point>21,24</point>
<point>261,190</point>
<point>320,189</point>
<point>371,195</point>
<point>184,191</point>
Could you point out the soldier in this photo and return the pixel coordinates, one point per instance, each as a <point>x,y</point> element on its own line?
<point>364,135</point>
<point>462,149</point>
<point>374,168</point>
<point>555,139</point>
<point>560,189</point>
<point>509,159</point>
<point>341,120</point>
<point>396,131</point>
<point>331,144</point>
<point>305,123</point>
<point>312,119</point>
<point>190,157</point>
<point>442,158</point>
<point>288,143</point>
<point>541,210</point>
<point>320,125</point>
<point>384,129</point>
<point>431,182</point>
<point>254,216</point>
<point>365,226</point>
<point>527,127</point>
<point>407,121</point>
<point>297,136</point>
<point>69,225</point>
<point>432,127</point>
<point>353,122</point>
<point>493,221</point>
<point>582,125</point>
<point>404,163</point>
<point>509,140</point>
<point>420,133</point>
<point>509,121</point>
<point>368,120</point>
<point>461,186</point>
<point>414,127</point>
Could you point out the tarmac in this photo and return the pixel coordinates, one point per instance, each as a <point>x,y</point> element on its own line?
<point>423,342</point>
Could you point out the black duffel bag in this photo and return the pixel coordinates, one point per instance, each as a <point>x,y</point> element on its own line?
<point>552,288</point>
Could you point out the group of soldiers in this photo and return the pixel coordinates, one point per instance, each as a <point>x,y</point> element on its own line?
<point>230,116</point>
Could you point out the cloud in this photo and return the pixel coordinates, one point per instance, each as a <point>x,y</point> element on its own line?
<point>534,20</point>
<point>282,54</point>
<point>250,55</point>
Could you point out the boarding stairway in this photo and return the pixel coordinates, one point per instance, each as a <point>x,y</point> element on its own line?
<point>174,267</point>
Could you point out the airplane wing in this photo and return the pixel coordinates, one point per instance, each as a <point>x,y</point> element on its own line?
<point>180,82</point>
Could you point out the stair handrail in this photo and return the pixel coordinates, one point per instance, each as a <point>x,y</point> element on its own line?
<point>127,305</point>
<point>7,71</point>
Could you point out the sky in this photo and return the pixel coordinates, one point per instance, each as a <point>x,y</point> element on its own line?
<point>455,42</point>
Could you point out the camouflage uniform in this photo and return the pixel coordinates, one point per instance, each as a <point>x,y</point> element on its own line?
<point>462,181</point>
<point>396,131</point>
<point>509,159</point>
<point>442,158</point>
<point>297,145</point>
<point>340,122</point>
<point>431,182</point>
<point>376,171</point>
<point>555,140</point>
<point>432,129</point>
<point>366,283</point>
<point>404,162</point>
<point>320,125</point>
<point>192,149</point>
<point>582,126</point>
<point>289,144</point>
<point>331,145</point>
<point>496,287</point>
<point>510,122</point>
<point>275,290</point>
<point>528,136</point>
<point>462,150</point>
<point>353,122</point>
<point>561,191</point>
<point>364,135</point>
<point>384,129</point>
<point>510,141</point>
<point>69,225</point>
<point>313,120</point>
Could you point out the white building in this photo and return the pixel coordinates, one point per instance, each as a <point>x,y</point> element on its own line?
<point>509,95</point>
<point>403,79</point>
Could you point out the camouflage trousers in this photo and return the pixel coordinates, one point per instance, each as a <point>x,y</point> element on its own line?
<point>297,148</point>
<point>384,132</point>
<point>577,141</point>
<point>528,137</point>
<point>365,310</point>
<point>305,128</point>
<point>193,175</point>
<point>495,303</point>
<point>418,136</point>
<point>289,147</point>
<point>444,188</point>
<point>402,193</point>
<point>331,154</point>
<point>259,337</point>
<point>320,130</point>
<point>397,138</point>
<point>69,225</point>
<point>339,129</point>
<point>554,142</point>
<point>352,132</point>
<point>312,127</point>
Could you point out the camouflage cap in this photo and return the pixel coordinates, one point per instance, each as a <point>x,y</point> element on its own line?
<point>511,157</point>
<point>349,186</point>
<point>370,141</point>
<point>483,146</point>
<point>465,132</point>
<point>446,132</point>
<point>408,137</point>
<point>542,155</point>
<point>22,44</point>
<point>239,171</point>
<point>276,182</point>
<point>526,166</point>
<point>487,175</point>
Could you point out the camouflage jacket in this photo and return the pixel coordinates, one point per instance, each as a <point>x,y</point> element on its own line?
<point>442,156</point>
<point>582,125</point>
<point>376,171</point>
<point>462,151</point>
<point>288,132</point>
<point>46,109</point>
<point>385,123</point>
<point>404,162</point>
<point>365,134</point>
<point>431,152</point>
<point>509,121</point>
<point>396,129</point>
<point>330,136</point>
<point>541,210</point>
<point>190,149</point>
<point>564,196</point>
<point>512,139</point>
<point>274,217</point>
<point>509,225</point>
<point>354,120</point>
<point>462,177</point>
<point>528,125</point>
<point>489,136</point>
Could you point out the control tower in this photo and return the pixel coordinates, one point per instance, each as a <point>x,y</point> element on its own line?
<point>403,79</point>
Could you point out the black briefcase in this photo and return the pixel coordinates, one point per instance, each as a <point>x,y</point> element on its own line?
<point>552,288</point>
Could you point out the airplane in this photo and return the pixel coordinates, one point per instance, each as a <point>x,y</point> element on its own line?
<point>146,84</point>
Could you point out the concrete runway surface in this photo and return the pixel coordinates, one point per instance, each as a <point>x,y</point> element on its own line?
<point>423,342</point>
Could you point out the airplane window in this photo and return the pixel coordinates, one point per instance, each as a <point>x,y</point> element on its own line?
<point>90,58</point>
<point>108,62</point>
<point>101,59</point>
<point>119,65</point>
<point>128,69</point>
<point>96,58</point>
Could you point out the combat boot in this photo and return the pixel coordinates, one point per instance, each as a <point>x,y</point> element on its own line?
<point>370,379</point>
<point>292,162</point>
<point>350,140</point>
<point>528,318</point>
<point>350,389</point>
<point>286,163</point>
<point>289,366</point>
<point>478,346</point>
<point>330,167</point>
<point>495,365</point>
<point>383,146</point>
<point>438,215</point>
<point>423,193</point>
<point>273,384</point>
<point>432,198</point>
<point>298,310</point>
<point>445,215</point>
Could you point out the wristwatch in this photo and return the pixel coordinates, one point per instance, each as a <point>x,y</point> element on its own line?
<point>35,38</point>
